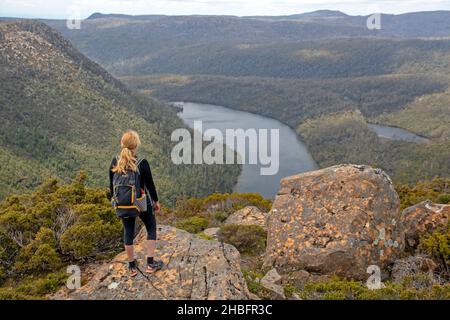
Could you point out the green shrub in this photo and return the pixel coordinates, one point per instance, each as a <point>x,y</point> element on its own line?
<point>58,222</point>
<point>443,198</point>
<point>193,225</point>
<point>436,190</point>
<point>221,216</point>
<point>334,295</point>
<point>437,245</point>
<point>40,286</point>
<point>337,289</point>
<point>440,292</point>
<point>56,225</point>
<point>253,279</point>
<point>34,288</point>
<point>408,294</point>
<point>13,294</point>
<point>40,254</point>
<point>289,290</point>
<point>247,239</point>
<point>89,239</point>
<point>2,275</point>
<point>254,287</point>
<point>204,236</point>
<point>242,200</point>
<point>222,204</point>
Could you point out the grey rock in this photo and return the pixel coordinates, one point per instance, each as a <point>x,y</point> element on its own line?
<point>270,282</point>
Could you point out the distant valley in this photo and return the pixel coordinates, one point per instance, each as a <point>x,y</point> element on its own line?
<point>323,73</point>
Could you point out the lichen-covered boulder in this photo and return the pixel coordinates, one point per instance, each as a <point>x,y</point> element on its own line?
<point>248,216</point>
<point>338,220</point>
<point>423,217</point>
<point>194,269</point>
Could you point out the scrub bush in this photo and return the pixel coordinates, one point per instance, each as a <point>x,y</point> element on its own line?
<point>193,225</point>
<point>55,226</point>
<point>247,239</point>
<point>437,245</point>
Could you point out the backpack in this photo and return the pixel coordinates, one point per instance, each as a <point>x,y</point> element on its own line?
<point>128,199</point>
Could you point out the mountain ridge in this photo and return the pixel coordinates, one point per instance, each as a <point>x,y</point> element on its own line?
<point>199,44</point>
<point>315,13</point>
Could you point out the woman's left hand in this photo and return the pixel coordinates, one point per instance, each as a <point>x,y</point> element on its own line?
<point>157,207</point>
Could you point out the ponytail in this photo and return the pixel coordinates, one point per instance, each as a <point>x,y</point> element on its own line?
<point>126,162</point>
<point>127,158</point>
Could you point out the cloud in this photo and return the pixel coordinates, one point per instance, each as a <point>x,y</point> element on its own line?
<point>60,9</point>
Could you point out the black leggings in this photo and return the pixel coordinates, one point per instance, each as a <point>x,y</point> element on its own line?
<point>148,218</point>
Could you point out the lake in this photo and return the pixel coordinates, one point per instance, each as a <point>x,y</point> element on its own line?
<point>395,133</point>
<point>294,157</point>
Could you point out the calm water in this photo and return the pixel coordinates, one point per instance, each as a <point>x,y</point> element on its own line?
<point>294,156</point>
<point>396,133</point>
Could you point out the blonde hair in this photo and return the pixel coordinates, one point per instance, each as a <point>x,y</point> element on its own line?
<point>127,159</point>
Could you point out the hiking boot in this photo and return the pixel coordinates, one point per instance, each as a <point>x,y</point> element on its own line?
<point>132,268</point>
<point>155,266</point>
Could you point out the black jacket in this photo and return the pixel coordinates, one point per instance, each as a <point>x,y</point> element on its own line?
<point>146,178</point>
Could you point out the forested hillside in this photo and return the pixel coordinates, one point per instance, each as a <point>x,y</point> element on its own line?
<point>61,112</point>
<point>293,100</point>
<point>318,59</point>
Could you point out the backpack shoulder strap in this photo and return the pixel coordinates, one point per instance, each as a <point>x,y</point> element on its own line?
<point>138,162</point>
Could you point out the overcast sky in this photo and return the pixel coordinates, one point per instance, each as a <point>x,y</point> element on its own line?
<point>65,8</point>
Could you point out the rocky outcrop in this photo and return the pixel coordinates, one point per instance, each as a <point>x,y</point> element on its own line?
<point>194,269</point>
<point>423,217</point>
<point>248,216</point>
<point>337,220</point>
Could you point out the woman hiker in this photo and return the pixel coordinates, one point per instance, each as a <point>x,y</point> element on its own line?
<point>128,162</point>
